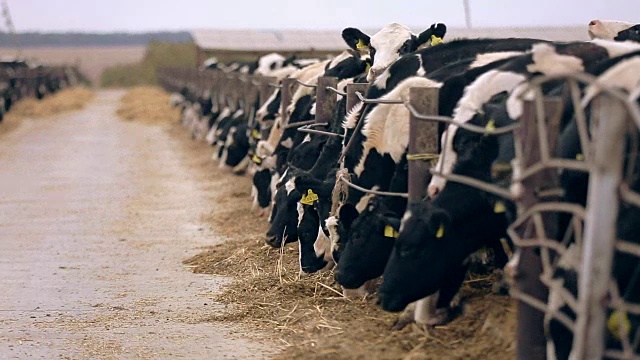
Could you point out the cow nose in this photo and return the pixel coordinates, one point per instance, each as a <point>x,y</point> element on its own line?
<point>373,72</point>
<point>433,191</point>
<point>593,22</point>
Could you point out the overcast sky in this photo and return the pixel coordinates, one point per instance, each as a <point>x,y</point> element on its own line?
<point>145,15</point>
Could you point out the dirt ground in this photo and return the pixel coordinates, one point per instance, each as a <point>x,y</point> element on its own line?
<point>307,314</point>
<point>96,217</point>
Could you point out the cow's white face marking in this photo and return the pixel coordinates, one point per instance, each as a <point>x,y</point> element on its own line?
<point>387,43</point>
<point>607,29</point>
<point>290,185</point>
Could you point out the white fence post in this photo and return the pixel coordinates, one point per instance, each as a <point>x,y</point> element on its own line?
<point>600,227</point>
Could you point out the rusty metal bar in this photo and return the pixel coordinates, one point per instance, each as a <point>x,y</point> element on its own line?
<point>352,98</point>
<point>377,101</point>
<point>299,124</point>
<point>336,91</point>
<point>530,338</point>
<point>326,101</point>
<point>374,192</point>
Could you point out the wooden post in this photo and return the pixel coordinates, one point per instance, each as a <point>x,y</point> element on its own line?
<point>423,139</point>
<point>265,89</point>
<point>352,99</point>
<point>531,342</point>
<point>287,92</point>
<point>600,227</point>
<point>326,100</point>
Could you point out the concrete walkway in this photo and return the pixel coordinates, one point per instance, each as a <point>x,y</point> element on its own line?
<point>96,216</point>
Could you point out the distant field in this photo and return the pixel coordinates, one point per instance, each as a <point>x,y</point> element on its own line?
<point>92,60</point>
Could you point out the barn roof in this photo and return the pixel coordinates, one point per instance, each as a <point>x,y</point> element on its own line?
<point>330,40</point>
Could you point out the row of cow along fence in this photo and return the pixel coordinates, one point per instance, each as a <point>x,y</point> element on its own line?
<point>20,81</point>
<point>608,136</point>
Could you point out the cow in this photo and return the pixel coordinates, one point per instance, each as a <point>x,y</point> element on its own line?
<point>436,237</point>
<point>512,77</point>
<point>390,43</point>
<point>614,30</point>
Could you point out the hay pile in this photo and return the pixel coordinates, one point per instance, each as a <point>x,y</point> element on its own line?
<point>147,104</point>
<point>307,315</point>
<point>62,101</point>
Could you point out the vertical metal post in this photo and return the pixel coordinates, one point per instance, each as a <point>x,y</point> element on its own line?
<point>287,92</point>
<point>352,99</point>
<point>423,139</point>
<point>600,227</point>
<point>531,342</point>
<point>326,100</point>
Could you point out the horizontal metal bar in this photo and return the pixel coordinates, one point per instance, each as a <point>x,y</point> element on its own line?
<point>629,196</point>
<point>256,83</point>
<point>319,132</point>
<point>334,90</point>
<point>377,101</point>
<point>469,181</point>
<point>374,192</point>
<point>305,84</point>
<point>277,86</point>
<point>449,120</point>
<point>299,124</point>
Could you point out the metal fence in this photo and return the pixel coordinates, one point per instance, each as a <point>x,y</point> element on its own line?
<point>608,135</point>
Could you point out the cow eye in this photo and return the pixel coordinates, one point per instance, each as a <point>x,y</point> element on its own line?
<point>404,251</point>
<point>372,52</point>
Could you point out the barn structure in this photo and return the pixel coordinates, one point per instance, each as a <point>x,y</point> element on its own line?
<point>248,45</point>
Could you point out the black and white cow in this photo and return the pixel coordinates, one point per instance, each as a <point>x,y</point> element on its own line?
<point>550,59</point>
<point>390,43</point>
<point>614,30</point>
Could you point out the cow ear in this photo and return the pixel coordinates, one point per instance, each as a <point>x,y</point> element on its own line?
<point>347,214</point>
<point>356,39</point>
<point>434,34</point>
<point>290,60</point>
<point>439,223</point>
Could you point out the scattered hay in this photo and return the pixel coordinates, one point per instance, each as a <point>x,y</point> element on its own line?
<point>62,101</point>
<point>149,105</point>
<point>307,315</point>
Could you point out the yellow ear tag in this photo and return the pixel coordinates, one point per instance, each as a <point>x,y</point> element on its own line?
<point>310,198</point>
<point>499,208</point>
<point>360,45</point>
<point>256,159</point>
<point>256,134</point>
<point>435,40</point>
<point>440,232</point>
<point>390,232</point>
<point>618,324</point>
<point>580,157</point>
<point>491,126</point>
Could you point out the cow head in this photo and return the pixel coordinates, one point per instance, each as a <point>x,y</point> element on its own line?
<point>390,43</point>
<point>283,219</point>
<point>608,29</point>
<point>348,64</point>
<point>270,62</point>
<point>436,238</point>
<point>370,243</point>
